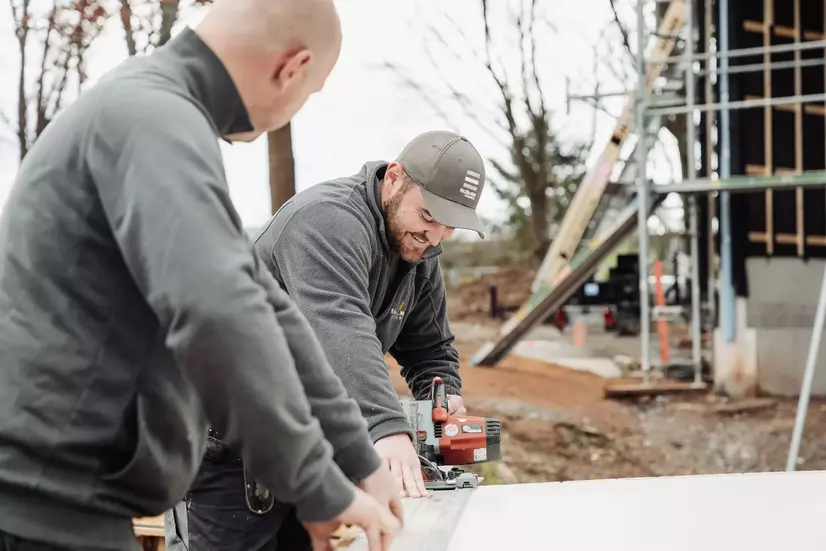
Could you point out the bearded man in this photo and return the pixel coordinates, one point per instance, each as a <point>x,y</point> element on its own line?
<point>359,257</point>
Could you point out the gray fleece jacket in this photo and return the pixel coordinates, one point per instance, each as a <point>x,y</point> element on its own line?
<point>327,248</point>
<point>134,312</point>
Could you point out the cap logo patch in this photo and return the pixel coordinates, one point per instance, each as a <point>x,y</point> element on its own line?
<point>470,185</point>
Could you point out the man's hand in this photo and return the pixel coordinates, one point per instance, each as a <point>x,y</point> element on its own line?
<point>398,451</point>
<point>382,486</point>
<point>378,523</point>
<point>455,405</point>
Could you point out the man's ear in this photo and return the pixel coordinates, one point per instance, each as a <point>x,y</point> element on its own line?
<point>292,69</point>
<point>395,173</point>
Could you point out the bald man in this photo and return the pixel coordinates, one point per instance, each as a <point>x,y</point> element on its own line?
<point>134,313</point>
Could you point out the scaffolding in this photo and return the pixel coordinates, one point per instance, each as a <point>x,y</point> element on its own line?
<point>767,177</point>
<point>581,244</point>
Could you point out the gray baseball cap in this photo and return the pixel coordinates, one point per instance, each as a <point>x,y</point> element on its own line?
<point>451,174</point>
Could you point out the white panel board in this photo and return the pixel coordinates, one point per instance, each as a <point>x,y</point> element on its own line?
<point>751,512</point>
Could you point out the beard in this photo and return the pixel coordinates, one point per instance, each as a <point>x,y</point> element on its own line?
<point>398,239</point>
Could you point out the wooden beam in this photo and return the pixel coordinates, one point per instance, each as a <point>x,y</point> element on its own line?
<point>630,390</point>
<point>787,239</point>
<point>786,32</point>
<point>753,26</point>
<point>763,170</point>
<point>790,107</point>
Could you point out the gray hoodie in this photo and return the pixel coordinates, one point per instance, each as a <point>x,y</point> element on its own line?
<point>327,248</point>
<point>134,312</point>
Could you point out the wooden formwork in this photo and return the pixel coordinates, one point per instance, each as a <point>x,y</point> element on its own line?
<point>806,115</point>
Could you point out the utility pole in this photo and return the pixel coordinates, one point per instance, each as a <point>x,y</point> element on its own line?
<point>282,166</point>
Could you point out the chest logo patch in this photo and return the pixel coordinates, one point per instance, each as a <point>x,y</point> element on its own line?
<point>398,313</point>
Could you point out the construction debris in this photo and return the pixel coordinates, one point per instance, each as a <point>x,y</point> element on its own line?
<point>625,389</point>
<point>745,406</point>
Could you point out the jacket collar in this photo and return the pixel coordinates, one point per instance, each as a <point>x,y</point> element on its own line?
<point>374,175</point>
<point>191,63</point>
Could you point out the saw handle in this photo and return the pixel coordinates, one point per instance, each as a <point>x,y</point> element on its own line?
<point>438,396</point>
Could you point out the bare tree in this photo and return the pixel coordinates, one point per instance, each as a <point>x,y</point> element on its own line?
<point>542,171</point>
<point>148,24</point>
<point>63,35</point>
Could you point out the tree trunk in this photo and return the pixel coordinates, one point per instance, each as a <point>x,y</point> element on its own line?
<point>282,166</point>
<point>126,21</point>
<point>22,101</point>
<point>169,14</point>
<point>539,223</point>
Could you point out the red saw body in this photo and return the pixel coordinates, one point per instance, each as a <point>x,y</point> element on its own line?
<point>445,440</point>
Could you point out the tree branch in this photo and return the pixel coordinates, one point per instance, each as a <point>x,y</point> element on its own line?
<point>523,57</point>
<point>461,33</point>
<point>500,83</point>
<point>169,14</point>
<point>40,123</point>
<point>22,30</point>
<point>421,91</point>
<point>435,37</point>
<point>7,131</point>
<point>59,89</point>
<point>622,31</point>
<point>126,20</point>
<point>466,103</point>
<point>534,68</point>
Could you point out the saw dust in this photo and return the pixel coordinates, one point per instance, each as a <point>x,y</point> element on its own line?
<point>557,426</point>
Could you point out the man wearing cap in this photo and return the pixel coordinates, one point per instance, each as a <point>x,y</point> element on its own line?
<point>359,257</point>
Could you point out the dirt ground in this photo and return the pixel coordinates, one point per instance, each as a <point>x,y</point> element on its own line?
<point>558,426</point>
<point>470,301</point>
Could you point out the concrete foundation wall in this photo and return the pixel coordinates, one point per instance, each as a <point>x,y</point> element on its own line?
<point>783,292</point>
<point>781,360</point>
<point>774,330</point>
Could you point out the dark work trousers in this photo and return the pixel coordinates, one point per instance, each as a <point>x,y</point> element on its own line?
<point>214,517</point>
<point>13,543</point>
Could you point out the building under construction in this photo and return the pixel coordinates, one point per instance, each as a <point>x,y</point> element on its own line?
<point>747,78</point>
<point>771,138</point>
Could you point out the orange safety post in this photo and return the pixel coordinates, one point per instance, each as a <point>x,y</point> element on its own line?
<point>659,298</point>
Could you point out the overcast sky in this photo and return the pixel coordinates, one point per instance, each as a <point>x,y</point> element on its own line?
<point>365,112</point>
